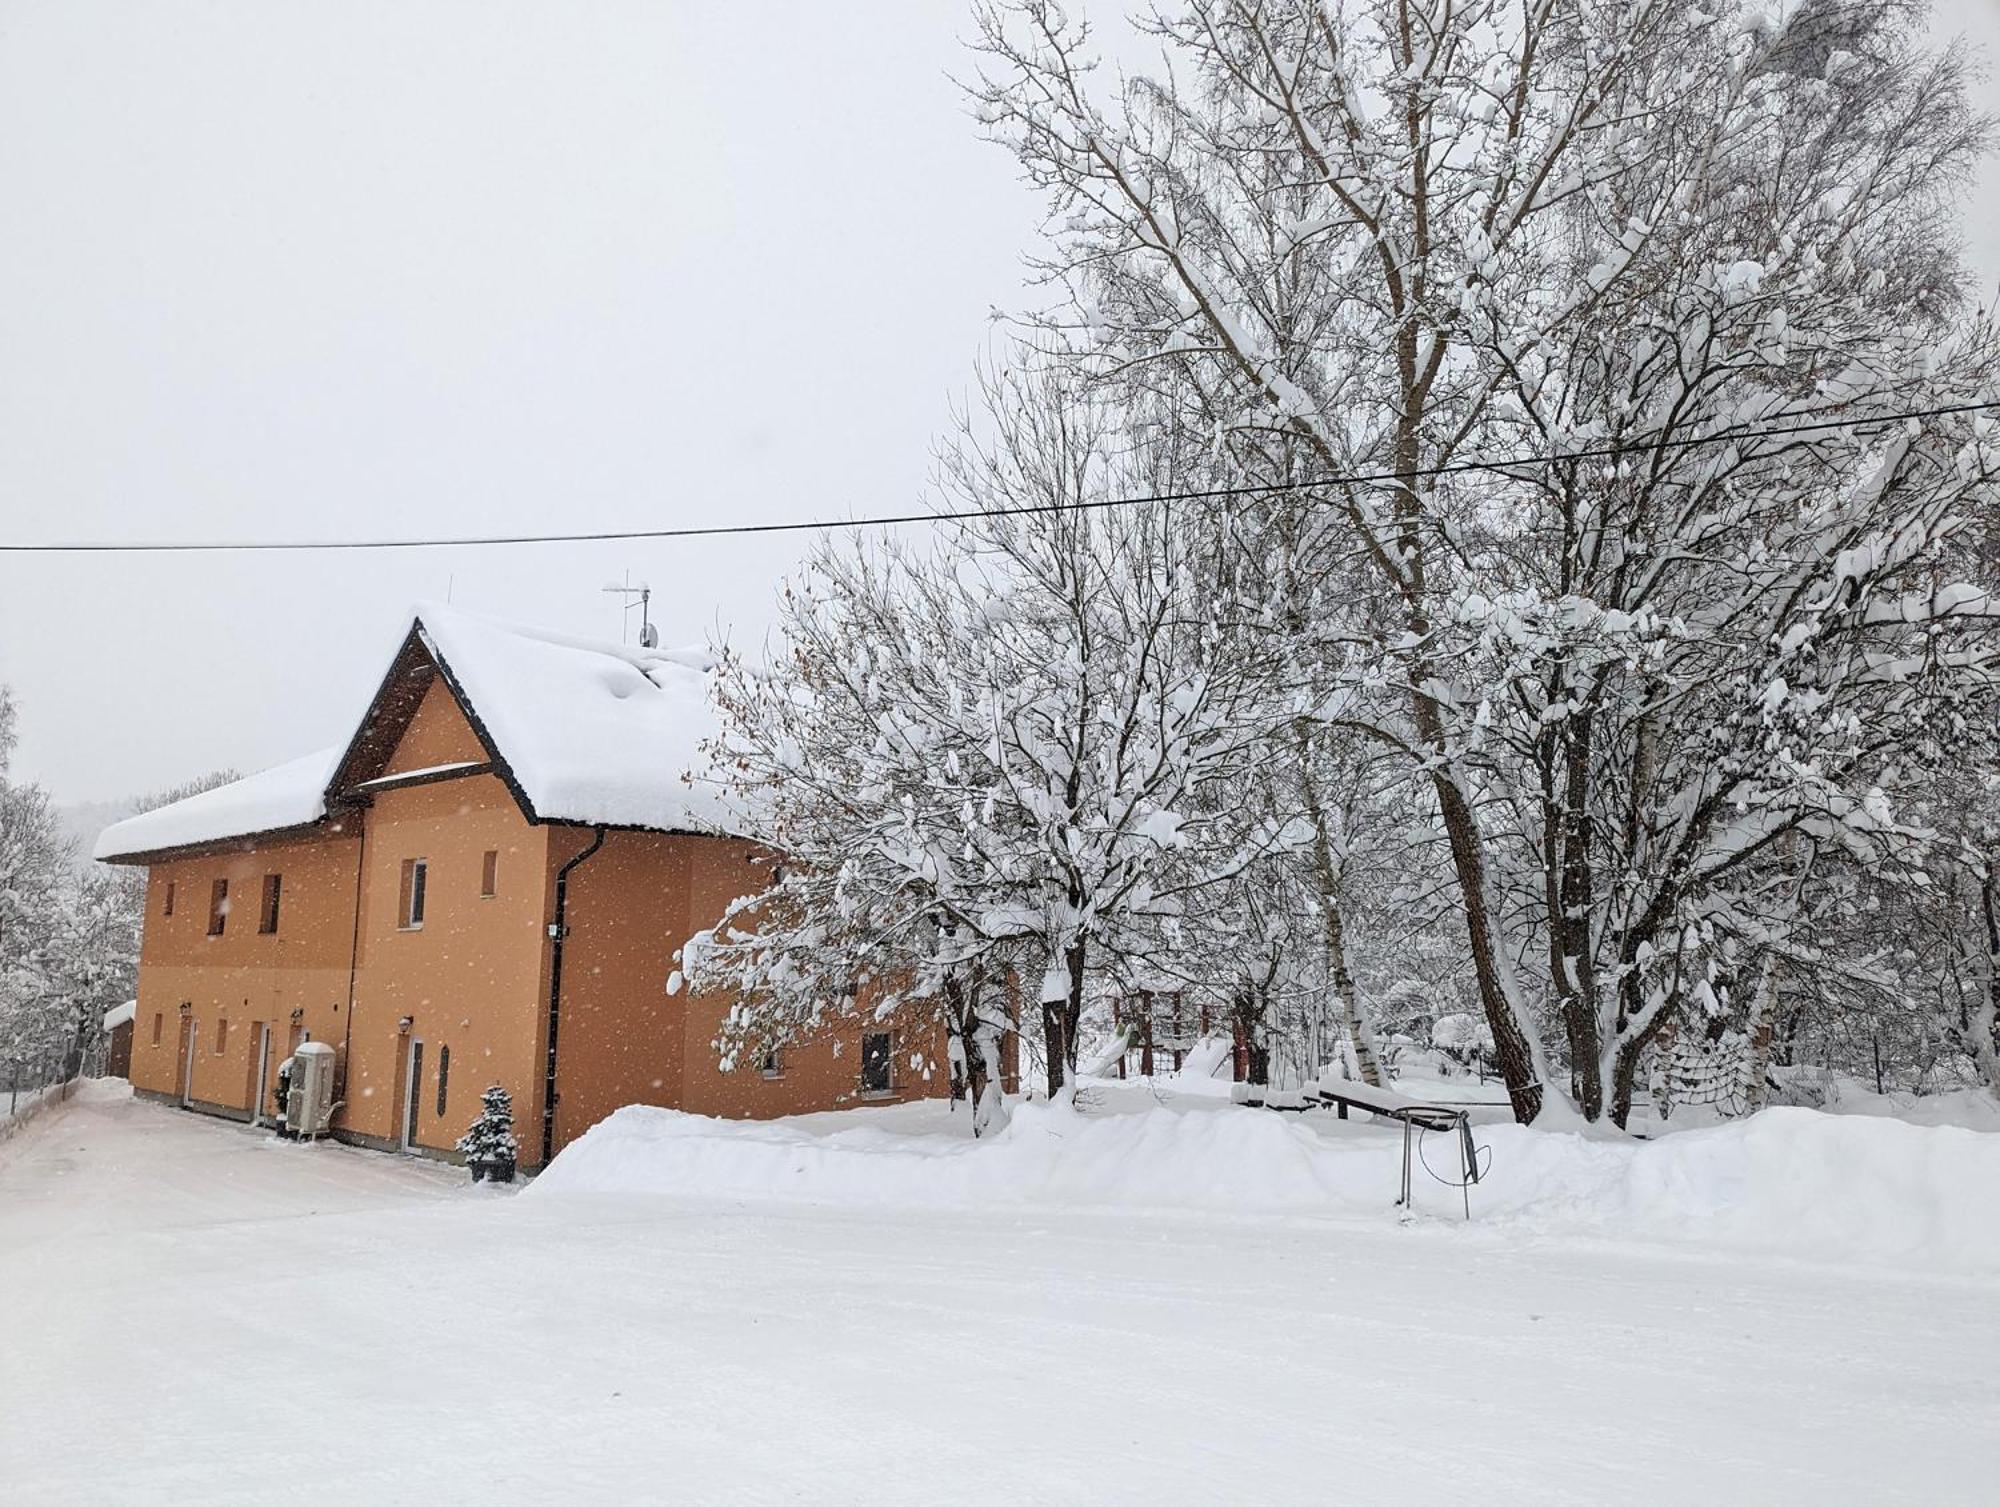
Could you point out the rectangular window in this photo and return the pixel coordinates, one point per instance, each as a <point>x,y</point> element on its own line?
<point>444,1076</point>
<point>875,1050</point>
<point>267,919</point>
<point>489,874</point>
<point>169,910</point>
<point>221,1035</point>
<point>773,1065</point>
<point>411,905</point>
<point>159,1024</point>
<point>218,906</point>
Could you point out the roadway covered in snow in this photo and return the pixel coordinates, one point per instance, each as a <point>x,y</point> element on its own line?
<point>196,1312</point>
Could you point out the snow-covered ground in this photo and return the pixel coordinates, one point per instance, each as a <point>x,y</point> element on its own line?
<point>196,1312</point>
<point>19,1103</point>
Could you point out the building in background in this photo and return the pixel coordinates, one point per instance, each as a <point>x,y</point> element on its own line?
<point>118,1039</point>
<point>487,883</point>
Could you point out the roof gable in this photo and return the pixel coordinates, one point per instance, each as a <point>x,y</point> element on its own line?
<point>436,736</point>
<point>580,732</point>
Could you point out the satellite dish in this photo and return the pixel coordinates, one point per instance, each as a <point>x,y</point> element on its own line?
<point>649,636</point>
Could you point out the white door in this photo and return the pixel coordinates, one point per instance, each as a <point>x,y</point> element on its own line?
<point>257,1115</point>
<point>187,1064</point>
<point>410,1099</point>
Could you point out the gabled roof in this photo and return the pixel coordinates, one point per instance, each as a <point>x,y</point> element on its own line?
<point>580,731</point>
<point>587,732</point>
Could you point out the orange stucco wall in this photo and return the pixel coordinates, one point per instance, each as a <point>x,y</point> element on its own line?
<point>625,1040</point>
<point>467,980</point>
<point>234,983</point>
<point>438,734</point>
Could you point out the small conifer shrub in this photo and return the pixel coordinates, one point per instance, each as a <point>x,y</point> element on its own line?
<point>489,1146</point>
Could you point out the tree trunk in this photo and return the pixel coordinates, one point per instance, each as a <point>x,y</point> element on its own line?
<point>1326,875</point>
<point>1625,1061</point>
<point>1253,1047</point>
<point>1763,1027</point>
<point>1663,1061</point>
<point>1986,1019</point>
<point>1060,1018</point>
<point>1510,1045</point>
<point>1353,1023</point>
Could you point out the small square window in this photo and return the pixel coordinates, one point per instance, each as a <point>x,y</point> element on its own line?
<point>267,919</point>
<point>410,907</point>
<point>168,910</point>
<point>773,1065</point>
<point>489,874</point>
<point>218,907</point>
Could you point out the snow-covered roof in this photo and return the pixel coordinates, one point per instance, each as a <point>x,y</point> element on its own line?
<point>117,1015</point>
<point>592,732</point>
<point>587,732</point>
<point>291,795</point>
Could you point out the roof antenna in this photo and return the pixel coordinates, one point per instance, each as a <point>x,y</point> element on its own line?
<point>649,636</point>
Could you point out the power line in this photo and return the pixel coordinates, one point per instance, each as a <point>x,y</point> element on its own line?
<point>889,520</point>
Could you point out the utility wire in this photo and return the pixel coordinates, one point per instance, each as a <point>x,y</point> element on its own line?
<point>887,520</point>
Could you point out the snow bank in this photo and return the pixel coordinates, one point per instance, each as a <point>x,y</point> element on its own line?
<point>1790,1183</point>
<point>1162,1158</point>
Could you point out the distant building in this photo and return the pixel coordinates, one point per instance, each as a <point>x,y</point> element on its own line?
<point>118,1039</point>
<point>486,883</point>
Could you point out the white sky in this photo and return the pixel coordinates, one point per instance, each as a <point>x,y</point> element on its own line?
<point>279,269</point>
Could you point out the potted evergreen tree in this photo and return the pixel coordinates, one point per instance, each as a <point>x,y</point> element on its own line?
<point>489,1146</point>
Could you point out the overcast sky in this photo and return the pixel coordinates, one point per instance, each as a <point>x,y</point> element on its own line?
<point>273,269</point>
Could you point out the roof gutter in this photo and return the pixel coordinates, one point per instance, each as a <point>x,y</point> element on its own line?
<point>557,933</point>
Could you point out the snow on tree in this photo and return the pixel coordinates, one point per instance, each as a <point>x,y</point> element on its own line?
<point>1695,254</point>
<point>489,1145</point>
<point>842,759</point>
<point>1001,757</point>
<point>37,1023</point>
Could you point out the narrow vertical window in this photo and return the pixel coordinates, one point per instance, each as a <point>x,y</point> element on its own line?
<point>168,910</point>
<point>221,1035</point>
<point>267,920</point>
<point>415,871</point>
<point>159,1023</point>
<point>218,906</point>
<point>444,1076</point>
<point>489,874</point>
<point>875,1054</point>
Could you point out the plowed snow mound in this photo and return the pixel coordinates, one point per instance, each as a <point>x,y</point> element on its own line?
<point>1787,1182</point>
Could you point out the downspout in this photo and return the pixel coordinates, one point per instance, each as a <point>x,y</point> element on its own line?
<point>353,961</point>
<point>557,932</point>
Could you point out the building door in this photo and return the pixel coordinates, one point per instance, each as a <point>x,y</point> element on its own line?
<point>189,1028</point>
<point>262,1085</point>
<point>413,1093</point>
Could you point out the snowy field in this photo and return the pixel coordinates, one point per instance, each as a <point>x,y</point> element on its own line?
<point>198,1313</point>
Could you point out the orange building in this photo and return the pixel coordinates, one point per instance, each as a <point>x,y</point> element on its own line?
<point>487,883</point>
